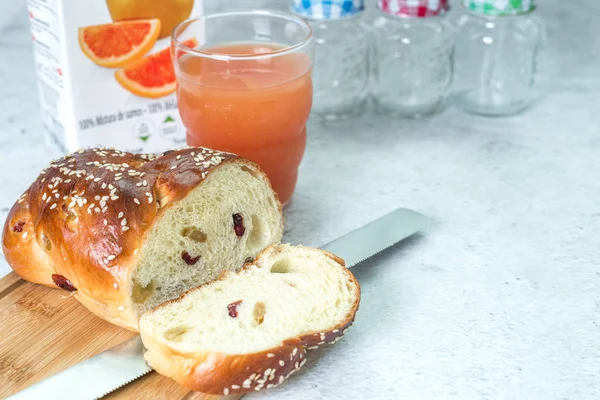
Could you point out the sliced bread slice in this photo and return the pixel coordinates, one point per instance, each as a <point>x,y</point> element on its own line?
<point>250,330</point>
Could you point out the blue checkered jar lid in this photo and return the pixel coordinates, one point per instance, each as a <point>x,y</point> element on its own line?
<point>327,9</point>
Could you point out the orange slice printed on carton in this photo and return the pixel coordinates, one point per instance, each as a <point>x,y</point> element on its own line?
<point>153,76</point>
<point>115,45</point>
<point>170,12</point>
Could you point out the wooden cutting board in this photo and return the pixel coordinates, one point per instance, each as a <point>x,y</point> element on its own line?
<point>43,331</point>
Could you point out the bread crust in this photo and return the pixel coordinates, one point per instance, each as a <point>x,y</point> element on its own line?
<point>85,218</point>
<point>226,374</point>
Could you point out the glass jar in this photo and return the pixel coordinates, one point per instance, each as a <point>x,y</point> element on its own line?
<point>340,74</point>
<point>412,57</point>
<point>497,48</point>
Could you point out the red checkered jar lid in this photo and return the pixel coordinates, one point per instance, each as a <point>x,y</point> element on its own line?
<point>413,8</point>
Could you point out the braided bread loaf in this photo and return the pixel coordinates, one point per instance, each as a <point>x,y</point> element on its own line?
<point>126,232</point>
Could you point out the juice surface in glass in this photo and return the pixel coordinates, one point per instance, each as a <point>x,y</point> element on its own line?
<point>254,107</point>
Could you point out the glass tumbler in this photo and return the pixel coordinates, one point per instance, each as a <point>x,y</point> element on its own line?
<point>244,86</point>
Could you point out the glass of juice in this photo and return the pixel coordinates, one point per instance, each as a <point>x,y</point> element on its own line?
<point>244,86</point>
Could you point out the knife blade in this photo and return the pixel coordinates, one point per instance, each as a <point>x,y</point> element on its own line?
<point>108,371</point>
<point>376,236</point>
<point>93,378</point>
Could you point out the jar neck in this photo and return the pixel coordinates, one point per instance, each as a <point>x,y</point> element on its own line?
<point>481,15</point>
<point>345,18</point>
<point>412,20</point>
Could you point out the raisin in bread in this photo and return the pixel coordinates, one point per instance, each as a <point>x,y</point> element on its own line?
<point>125,232</point>
<point>250,330</point>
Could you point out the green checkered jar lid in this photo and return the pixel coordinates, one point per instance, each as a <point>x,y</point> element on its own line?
<point>500,7</point>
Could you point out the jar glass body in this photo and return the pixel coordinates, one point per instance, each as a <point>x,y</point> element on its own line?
<point>341,72</point>
<point>496,62</point>
<point>412,64</point>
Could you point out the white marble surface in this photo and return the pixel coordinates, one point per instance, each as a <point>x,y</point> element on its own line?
<point>501,300</point>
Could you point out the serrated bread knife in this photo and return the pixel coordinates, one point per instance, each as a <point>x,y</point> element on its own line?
<point>122,364</point>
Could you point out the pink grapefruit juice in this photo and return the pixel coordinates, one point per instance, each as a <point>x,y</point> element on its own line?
<point>254,107</point>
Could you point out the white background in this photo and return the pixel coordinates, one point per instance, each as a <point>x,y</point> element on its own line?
<point>501,300</point>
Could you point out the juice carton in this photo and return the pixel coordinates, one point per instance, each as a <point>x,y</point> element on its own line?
<point>105,73</point>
